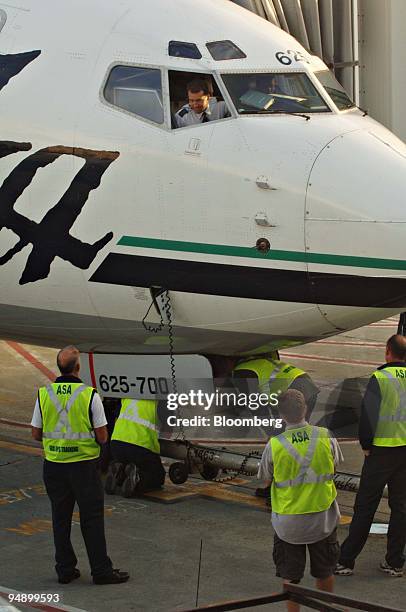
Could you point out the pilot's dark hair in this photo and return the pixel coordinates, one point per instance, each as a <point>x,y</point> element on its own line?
<point>204,85</point>
<point>397,346</point>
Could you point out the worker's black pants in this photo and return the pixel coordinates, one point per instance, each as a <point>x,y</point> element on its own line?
<point>149,464</point>
<point>383,466</point>
<point>67,483</point>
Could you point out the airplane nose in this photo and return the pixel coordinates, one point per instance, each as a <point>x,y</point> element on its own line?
<point>356,221</point>
<point>359,177</point>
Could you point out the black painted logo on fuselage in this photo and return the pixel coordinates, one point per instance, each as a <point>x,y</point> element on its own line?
<point>51,238</point>
<point>11,65</point>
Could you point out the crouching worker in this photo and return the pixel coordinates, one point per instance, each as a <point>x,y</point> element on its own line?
<point>299,465</point>
<point>135,449</point>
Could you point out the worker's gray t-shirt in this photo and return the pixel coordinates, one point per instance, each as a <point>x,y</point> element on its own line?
<point>302,528</point>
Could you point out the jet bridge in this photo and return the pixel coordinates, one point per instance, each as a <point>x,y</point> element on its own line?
<point>362,41</point>
<point>325,28</point>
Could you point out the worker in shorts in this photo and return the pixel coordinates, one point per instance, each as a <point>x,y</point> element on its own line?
<point>299,466</point>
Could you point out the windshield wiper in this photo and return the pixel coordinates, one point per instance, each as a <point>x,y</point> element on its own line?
<point>273,112</point>
<point>282,112</point>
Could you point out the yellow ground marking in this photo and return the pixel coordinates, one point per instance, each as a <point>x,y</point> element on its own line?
<point>345,519</point>
<point>30,528</point>
<point>172,493</point>
<point>15,495</point>
<point>218,491</point>
<point>22,448</point>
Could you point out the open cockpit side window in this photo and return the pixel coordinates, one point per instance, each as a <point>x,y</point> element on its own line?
<point>195,98</point>
<point>137,91</point>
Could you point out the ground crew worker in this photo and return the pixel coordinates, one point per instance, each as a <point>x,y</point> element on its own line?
<point>202,106</point>
<point>69,419</point>
<point>275,376</point>
<point>382,435</point>
<point>299,465</point>
<point>135,443</point>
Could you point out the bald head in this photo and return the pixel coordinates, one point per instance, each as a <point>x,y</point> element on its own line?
<point>396,348</point>
<point>68,360</point>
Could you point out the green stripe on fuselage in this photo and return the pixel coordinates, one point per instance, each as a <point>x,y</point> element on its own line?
<point>236,251</point>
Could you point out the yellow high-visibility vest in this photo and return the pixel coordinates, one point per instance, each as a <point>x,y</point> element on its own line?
<point>303,471</point>
<point>67,433</point>
<point>138,424</point>
<point>391,428</point>
<point>274,376</point>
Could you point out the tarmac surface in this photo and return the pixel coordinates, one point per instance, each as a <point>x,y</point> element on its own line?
<point>158,538</point>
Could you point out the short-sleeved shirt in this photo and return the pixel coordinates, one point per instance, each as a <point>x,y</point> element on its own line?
<point>98,417</point>
<point>216,110</point>
<point>302,528</point>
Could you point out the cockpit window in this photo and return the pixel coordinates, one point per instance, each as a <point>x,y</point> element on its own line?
<point>3,19</point>
<point>224,50</point>
<point>335,90</point>
<point>267,93</point>
<point>136,90</point>
<point>177,48</point>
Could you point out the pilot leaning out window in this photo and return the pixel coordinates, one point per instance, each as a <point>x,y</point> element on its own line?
<point>202,106</point>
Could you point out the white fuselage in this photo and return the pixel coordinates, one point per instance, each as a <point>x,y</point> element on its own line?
<point>98,205</point>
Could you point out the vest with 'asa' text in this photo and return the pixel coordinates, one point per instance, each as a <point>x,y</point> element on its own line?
<point>391,428</point>
<point>67,433</point>
<point>303,471</point>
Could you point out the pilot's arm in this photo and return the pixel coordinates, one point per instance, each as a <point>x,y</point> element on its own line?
<point>182,116</point>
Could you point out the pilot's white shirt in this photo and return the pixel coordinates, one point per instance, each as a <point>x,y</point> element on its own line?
<point>216,110</point>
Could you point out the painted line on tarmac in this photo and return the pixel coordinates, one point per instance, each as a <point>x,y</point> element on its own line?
<point>15,423</point>
<point>22,448</point>
<point>331,359</point>
<point>31,359</point>
<point>178,493</point>
<point>392,325</point>
<point>353,343</point>
<point>5,592</point>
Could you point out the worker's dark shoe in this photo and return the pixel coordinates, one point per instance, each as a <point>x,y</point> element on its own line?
<point>114,577</point>
<point>115,478</point>
<point>131,481</point>
<point>396,572</point>
<point>70,578</point>
<point>342,570</point>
